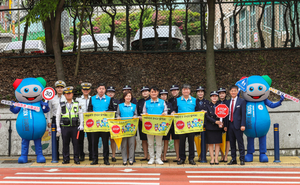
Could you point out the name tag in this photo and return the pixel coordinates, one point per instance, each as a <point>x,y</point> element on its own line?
<point>238,106</point>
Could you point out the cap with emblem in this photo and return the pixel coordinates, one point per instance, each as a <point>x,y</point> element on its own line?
<point>68,90</point>
<point>222,90</point>
<point>126,87</point>
<point>200,88</point>
<point>145,88</point>
<point>186,86</point>
<point>174,87</point>
<point>60,83</point>
<point>111,89</point>
<point>86,86</point>
<point>164,91</point>
<point>214,93</point>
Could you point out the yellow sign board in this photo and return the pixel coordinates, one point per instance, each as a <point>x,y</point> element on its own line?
<point>97,121</point>
<point>188,122</point>
<point>156,125</point>
<point>123,128</point>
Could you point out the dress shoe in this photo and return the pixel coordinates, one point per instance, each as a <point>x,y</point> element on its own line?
<point>94,162</point>
<point>144,159</point>
<point>242,162</point>
<point>65,162</point>
<point>216,163</point>
<point>76,162</point>
<point>131,163</point>
<point>192,162</point>
<point>113,159</point>
<point>180,162</point>
<point>125,163</point>
<point>232,162</point>
<point>81,158</point>
<point>90,159</point>
<point>175,161</point>
<point>106,162</point>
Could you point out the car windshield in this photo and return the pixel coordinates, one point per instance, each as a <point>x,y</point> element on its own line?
<point>30,44</point>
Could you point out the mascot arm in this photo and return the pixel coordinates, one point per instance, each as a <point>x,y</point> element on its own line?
<point>14,109</point>
<point>274,105</point>
<point>44,104</point>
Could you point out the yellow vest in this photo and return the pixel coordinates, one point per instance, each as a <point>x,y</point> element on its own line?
<point>69,118</point>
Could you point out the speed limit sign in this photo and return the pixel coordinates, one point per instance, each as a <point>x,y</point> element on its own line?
<point>48,93</point>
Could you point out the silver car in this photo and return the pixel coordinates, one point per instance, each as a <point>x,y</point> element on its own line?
<point>31,46</point>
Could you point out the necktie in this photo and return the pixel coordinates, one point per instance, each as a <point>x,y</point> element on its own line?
<point>231,111</point>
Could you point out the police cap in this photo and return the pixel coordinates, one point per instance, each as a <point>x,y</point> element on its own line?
<point>200,88</point>
<point>86,86</point>
<point>221,89</point>
<point>174,87</point>
<point>145,88</point>
<point>164,91</point>
<point>214,93</point>
<point>68,90</point>
<point>111,89</point>
<point>126,87</point>
<point>60,83</point>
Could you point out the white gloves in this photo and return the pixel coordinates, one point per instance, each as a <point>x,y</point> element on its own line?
<point>58,131</point>
<point>80,127</point>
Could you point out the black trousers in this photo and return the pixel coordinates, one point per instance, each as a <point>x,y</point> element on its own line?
<point>81,143</point>
<point>182,138</point>
<point>57,138</point>
<point>95,141</point>
<point>236,135</point>
<point>90,144</point>
<point>67,134</point>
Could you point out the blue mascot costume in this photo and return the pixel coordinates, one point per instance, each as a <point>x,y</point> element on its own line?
<point>257,115</point>
<point>30,124</point>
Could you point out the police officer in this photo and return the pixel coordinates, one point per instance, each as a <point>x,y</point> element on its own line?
<point>175,94</point>
<point>201,101</point>
<point>53,104</point>
<point>111,93</point>
<point>83,101</point>
<point>127,88</point>
<point>99,103</point>
<point>186,103</point>
<point>164,96</point>
<point>143,137</point>
<point>222,100</point>
<point>68,122</point>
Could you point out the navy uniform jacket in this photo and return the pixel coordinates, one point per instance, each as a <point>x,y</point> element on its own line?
<point>170,107</point>
<point>173,99</point>
<point>222,102</point>
<point>133,101</point>
<point>211,117</point>
<point>239,113</point>
<point>115,104</point>
<point>200,104</point>
<point>140,105</point>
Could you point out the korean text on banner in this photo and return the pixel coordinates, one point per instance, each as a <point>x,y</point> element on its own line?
<point>123,128</point>
<point>156,124</point>
<point>188,122</point>
<point>97,121</point>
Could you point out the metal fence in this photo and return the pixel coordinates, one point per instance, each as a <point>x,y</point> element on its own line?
<point>180,25</point>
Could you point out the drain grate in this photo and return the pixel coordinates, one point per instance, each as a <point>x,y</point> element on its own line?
<point>13,161</point>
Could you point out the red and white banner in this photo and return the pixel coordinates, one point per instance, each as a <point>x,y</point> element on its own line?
<point>16,104</point>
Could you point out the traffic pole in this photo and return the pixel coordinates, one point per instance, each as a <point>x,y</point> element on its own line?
<point>276,144</point>
<point>203,147</point>
<point>54,144</point>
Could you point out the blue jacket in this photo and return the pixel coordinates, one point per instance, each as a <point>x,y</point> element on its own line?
<point>97,105</point>
<point>126,111</point>
<point>157,107</point>
<point>181,105</point>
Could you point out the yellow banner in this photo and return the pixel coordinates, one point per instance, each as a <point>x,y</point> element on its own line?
<point>97,121</point>
<point>188,122</point>
<point>156,125</point>
<point>123,128</point>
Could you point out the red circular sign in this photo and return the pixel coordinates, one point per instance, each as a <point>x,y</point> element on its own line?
<point>222,110</point>
<point>148,125</point>
<point>89,123</point>
<point>115,129</point>
<point>48,93</point>
<point>180,124</point>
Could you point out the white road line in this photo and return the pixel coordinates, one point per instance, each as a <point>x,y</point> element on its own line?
<point>244,172</point>
<point>75,174</point>
<point>62,182</point>
<point>245,182</point>
<point>84,178</point>
<point>237,177</point>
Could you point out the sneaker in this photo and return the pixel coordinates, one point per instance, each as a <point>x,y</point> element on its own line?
<point>158,161</point>
<point>151,161</point>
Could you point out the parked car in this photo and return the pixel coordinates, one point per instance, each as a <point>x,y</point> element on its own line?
<point>31,46</point>
<point>148,37</point>
<point>87,43</point>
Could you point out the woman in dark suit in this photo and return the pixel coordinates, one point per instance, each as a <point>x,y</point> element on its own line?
<point>213,128</point>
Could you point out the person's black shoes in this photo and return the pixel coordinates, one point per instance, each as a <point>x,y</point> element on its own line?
<point>65,162</point>
<point>106,162</point>
<point>192,162</point>
<point>113,159</point>
<point>242,162</point>
<point>232,162</point>
<point>94,162</point>
<point>90,159</point>
<point>180,162</point>
<point>76,162</point>
<point>81,158</point>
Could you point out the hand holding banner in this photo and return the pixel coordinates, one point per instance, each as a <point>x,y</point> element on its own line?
<point>156,124</point>
<point>123,128</point>
<point>188,122</point>
<point>284,94</point>
<point>97,121</point>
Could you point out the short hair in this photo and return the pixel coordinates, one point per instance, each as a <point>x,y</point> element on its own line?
<point>154,88</point>
<point>233,86</point>
<point>125,94</point>
<point>186,86</point>
<point>102,84</point>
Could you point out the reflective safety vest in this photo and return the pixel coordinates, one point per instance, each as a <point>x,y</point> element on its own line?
<point>69,118</point>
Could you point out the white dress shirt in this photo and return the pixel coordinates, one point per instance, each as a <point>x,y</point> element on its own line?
<point>53,104</point>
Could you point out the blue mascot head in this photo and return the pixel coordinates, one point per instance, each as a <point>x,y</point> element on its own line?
<point>29,90</point>
<point>257,88</point>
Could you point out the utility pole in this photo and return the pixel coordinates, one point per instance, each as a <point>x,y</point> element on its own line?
<point>19,20</point>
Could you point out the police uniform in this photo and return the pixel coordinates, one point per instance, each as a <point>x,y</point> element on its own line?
<point>127,87</point>
<point>115,101</point>
<point>172,100</point>
<point>83,103</point>
<point>201,103</point>
<point>68,120</point>
<point>170,110</point>
<point>53,105</point>
<point>213,132</point>
<point>223,102</point>
<point>140,106</point>
<point>100,104</point>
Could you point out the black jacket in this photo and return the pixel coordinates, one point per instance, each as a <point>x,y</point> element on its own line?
<point>200,104</point>
<point>211,117</point>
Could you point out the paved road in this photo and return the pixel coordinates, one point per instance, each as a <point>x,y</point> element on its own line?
<point>149,176</point>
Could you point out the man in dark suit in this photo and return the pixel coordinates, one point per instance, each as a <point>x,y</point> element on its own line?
<point>235,122</point>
